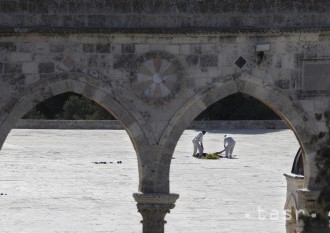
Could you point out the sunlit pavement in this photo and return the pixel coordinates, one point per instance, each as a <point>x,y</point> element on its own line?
<point>51,183</point>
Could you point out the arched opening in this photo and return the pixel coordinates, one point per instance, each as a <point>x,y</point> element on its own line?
<point>238,106</point>
<point>298,163</point>
<point>68,106</point>
<point>233,195</point>
<point>69,179</point>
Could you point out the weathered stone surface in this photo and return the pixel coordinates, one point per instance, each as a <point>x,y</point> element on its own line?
<point>7,46</point>
<point>156,65</point>
<point>12,68</point>
<point>209,60</point>
<point>88,48</point>
<point>46,67</point>
<point>102,48</point>
<point>169,14</point>
<point>128,48</point>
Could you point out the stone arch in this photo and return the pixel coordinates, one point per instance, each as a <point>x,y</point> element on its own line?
<point>48,89</point>
<point>292,113</point>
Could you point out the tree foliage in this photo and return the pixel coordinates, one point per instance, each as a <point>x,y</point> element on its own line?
<point>69,106</point>
<point>80,108</point>
<point>238,107</point>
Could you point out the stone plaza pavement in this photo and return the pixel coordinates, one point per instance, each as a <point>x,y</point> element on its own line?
<point>50,182</point>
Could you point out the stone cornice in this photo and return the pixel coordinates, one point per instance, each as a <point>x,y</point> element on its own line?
<point>170,31</point>
<point>293,176</point>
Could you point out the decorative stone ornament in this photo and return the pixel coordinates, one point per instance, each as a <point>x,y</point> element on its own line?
<point>156,77</point>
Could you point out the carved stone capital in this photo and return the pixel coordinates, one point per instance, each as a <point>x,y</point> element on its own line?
<point>153,208</point>
<point>308,200</point>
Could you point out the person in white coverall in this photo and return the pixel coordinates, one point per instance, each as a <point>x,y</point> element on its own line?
<point>198,143</point>
<point>229,144</point>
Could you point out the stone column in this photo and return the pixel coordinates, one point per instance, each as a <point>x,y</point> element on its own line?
<point>294,183</point>
<point>316,218</point>
<point>153,208</point>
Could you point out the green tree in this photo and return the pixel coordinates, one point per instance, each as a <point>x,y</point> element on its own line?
<point>238,107</point>
<point>69,106</point>
<point>80,108</point>
<point>35,114</point>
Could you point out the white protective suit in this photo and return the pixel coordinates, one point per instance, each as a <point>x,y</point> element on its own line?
<point>198,142</point>
<point>229,144</point>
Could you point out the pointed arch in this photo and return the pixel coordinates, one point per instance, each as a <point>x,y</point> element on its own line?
<point>285,106</point>
<point>104,98</point>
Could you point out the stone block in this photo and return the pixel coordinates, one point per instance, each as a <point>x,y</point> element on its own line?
<point>103,6</point>
<point>30,68</point>
<point>54,20</point>
<point>38,6</point>
<point>121,6</point>
<point>156,47</point>
<point>25,47</point>
<point>283,84</point>
<point>75,20</point>
<point>226,70</point>
<point>209,60</point>
<point>195,49</point>
<point>192,60</point>
<point>128,48</point>
<point>88,48</point>
<point>56,48</point>
<point>142,48</point>
<point>72,6</point>
<point>102,48</point>
<point>321,105</point>
<point>184,49</point>
<point>42,47</point>
<point>308,105</point>
<point>123,61</point>
<point>45,68</point>
<point>31,79</point>
<point>92,61</point>
<point>7,47</point>
<point>57,7</point>
<point>73,48</point>
<point>20,57</point>
<point>8,6</point>
<point>210,48</point>
<point>173,49</point>
<point>13,68</point>
<point>96,21</point>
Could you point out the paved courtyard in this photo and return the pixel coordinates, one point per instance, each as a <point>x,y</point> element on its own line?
<point>53,181</point>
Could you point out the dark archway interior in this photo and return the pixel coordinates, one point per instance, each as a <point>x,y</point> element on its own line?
<point>298,164</point>
<point>238,107</point>
<point>69,106</point>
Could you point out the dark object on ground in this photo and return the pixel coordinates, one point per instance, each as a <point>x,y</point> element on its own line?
<point>119,162</point>
<point>218,153</point>
<point>100,162</point>
<point>208,156</point>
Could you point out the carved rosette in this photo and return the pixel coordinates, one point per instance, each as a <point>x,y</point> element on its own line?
<point>156,77</point>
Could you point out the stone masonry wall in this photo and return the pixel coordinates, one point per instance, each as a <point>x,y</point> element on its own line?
<point>156,65</point>
<point>164,14</point>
